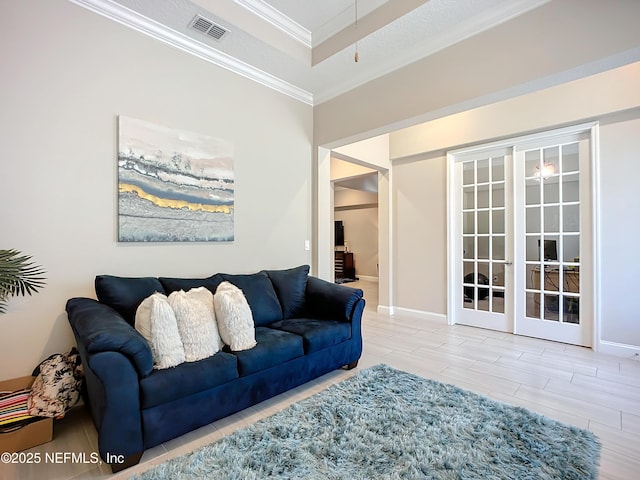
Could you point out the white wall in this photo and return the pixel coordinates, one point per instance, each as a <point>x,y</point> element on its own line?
<point>67,74</point>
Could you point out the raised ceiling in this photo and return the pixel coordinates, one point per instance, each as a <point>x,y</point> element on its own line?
<point>305,48</point>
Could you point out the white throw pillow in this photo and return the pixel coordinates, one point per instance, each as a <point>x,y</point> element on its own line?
<point>196,323</point>
<point>156,322</point>
<point>235,321</point>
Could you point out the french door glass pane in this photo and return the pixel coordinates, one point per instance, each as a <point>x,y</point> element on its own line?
<point>570,158</point>
<point>483,196</point>
<point>498,275</point>
<point>551,307</point>
<point>531,163</point>
<point>497,195</point>
<point>549,249</point>
<point>571,218</point>
<point>551,219</point>
<point>571,310</point>
<point>469,222</point>
<point>571,248</point>
<point>551,190</point>
<point>497,169</point>
<point>468,197</point>
<point>532,192</point>
<point>468,173</point>
<point>498,249</point>
<point>532,248</point>
<point>533,305</point>
<point>570,191</point>
<point>498,302</point>
<point>533,220</point>
<point>482,174</point>
<point>483,248</point>
<point>483,222</point>
<point>497,219</point>
<point>469,248</point>
<point>551,162</point>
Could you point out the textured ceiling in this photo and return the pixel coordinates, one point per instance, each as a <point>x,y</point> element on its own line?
<point>315,14</point>
<point>324,18</point>
<point>306,48</point>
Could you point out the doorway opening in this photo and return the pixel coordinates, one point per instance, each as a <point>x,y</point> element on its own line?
<point>356,228</point>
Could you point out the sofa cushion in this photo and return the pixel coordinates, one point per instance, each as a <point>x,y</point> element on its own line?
<point>163,386</point>
<point>124,294</point>
<point>175,284</point>
<point>260,294</point>
<point>233,315</point>
<point>273,348</point>
<point>317,334</point>
<point>156,322</point>
<point>290,286</point>
<point>196,322</point>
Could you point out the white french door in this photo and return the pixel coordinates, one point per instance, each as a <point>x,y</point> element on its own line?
<point>482,246</point>
<point>520,236</point>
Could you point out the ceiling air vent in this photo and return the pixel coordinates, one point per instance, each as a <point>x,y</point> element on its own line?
<point>208,27</point>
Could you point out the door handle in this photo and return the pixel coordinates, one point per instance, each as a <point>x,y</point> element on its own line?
<point>508,264</point>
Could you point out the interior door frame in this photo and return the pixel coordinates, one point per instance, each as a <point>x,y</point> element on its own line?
<point>453,254</point>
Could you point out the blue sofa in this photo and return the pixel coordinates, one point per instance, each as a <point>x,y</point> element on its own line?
<point>305,327</point>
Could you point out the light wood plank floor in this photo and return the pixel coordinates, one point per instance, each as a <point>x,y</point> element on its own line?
<point>571,384</point>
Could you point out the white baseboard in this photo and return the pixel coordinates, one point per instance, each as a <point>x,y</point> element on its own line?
<point>390,310</point>
<point>436,317</point>
<point>367,277</point>
<point>619,349</point>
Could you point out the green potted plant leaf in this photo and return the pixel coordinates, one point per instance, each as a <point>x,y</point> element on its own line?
<point>18,276</point>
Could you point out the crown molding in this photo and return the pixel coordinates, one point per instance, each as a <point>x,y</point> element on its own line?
<point>278,20</point>
<point>147,26</point>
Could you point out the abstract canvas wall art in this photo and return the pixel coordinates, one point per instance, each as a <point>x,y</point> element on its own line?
<point>173,185</point>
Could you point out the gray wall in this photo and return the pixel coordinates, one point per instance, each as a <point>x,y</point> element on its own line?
<point>67,74</point>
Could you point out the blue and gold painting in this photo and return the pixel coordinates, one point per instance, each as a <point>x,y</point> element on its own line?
<point>173,185</point>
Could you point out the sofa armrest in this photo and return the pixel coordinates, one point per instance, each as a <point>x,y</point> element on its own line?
<point>99,328</point>
<point>329,300</point>
<point>114,397</point>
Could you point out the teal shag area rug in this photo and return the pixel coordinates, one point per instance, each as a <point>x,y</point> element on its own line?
<point>384,424</point>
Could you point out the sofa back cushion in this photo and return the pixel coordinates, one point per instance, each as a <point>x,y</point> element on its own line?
<point>176,284</point>
<point>261,296</point>
<point>124,294</point>
<point>290,286</point>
